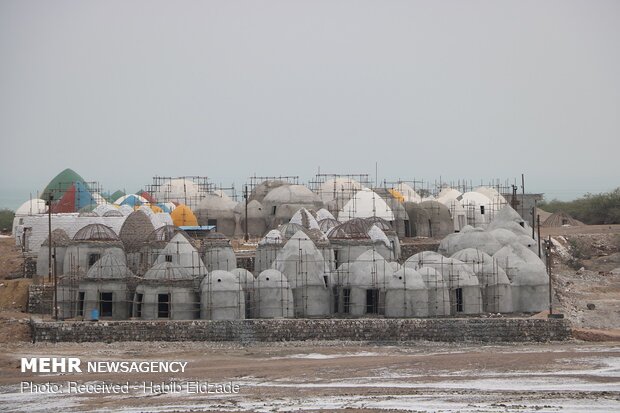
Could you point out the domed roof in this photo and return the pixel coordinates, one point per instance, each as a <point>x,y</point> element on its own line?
<point>32,207</point>
<point>220,280</point>
<point>213,204</point>
<point>406,278</point>
<point>356,228</point>
<point>96,232</point>
<point>59,238</point>
<point>168,271</point>
<point>135,230</point>
<point>255,209</point>
<point>165,234</point>
<point>381,223</point>
<point>327,224</point>
<point>448,192</point>
<point>304,218</point>
<point>408,193</point>
<point>109,266</point>
<point>61,183</point>
<point>272,278</point>
<point>183,216</point>
<point>323,214</point>
<point>272,237</point>
<point>366,203</point>
<point>261,190</point>
<point>341,188</point>
<point>291,194</point>
<point>178,190</point>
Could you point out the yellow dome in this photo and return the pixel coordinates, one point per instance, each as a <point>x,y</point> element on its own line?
<point>397,195</point>
<point>183,216</point>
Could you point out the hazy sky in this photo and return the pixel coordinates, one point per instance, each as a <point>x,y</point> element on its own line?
<point>121,91</point>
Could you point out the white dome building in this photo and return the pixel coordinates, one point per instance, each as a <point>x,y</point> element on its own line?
<point>222,297</point>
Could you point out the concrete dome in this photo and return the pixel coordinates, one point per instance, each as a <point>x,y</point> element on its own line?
<point>168,271</point>
<point>109,266</point>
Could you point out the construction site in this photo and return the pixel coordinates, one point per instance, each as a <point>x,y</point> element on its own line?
<point>358,296</point>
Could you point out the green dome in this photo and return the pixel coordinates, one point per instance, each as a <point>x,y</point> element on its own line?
<point>61,183</point>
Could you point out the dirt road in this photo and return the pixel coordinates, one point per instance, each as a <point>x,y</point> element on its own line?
<point>332,376</point>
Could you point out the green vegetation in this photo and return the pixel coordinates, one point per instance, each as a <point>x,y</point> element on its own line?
<point>590,209</point>
<point>6,220</point>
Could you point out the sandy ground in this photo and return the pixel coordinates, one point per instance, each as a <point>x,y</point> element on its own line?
<point>334,376</point>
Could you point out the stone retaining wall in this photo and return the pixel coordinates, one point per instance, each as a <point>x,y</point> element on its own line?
<point>369,329</point>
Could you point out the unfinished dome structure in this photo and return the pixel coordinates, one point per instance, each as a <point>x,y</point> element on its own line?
<point>323,213</point>
<point>438,292</point>
<point>305,218</point>
<point>408,193</point>
<point>305,269</point>
<point>60,243</point>
<point>274,295</point>
<point>326,225</point>
<point>88,246</point>
<point>155,243</point>
<point>457,212</point>
<point>351,239</point>
<point>386,228</point>
<point>183,216</point>
<point>395,201</point>
<point>469,238</point>
<point>336,192</point>
<point>528,277</point>
<point>478,207</point>
<point>441,223</point>
<point>261,190</point>
<point>217,253</point>
<point>495,285</point>
<point>221,297</point>
<point>359,287</point>
<point>464,289</point>
<point>366,203</point>
<point>245,279</point>
<point>256,219</point>
<point>419,224</point>
<point>166,292</point>
<point>284,201</point>
<point>181,252</point>
<point>178,190</point>
<point>219,211</point>
<point>134,233</point>
<point>105,288</point>
<point>406,294</point>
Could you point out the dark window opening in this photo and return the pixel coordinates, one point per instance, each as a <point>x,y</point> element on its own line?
<point>168,258</point>
<point>336,298</point>
<point>273,210</point>
<point>105,304</point>
<point>325,280</point>
<point>138,305</point>
<point>163,305</point>
<point>248,305</point>
<point>459,300</point>
<point>372,301</point>
<point>407,229</point>
<point>336,258</point>
<point>80,309</point>
<point>481,209</point>
<point>346,300</point>
<point>522,224</point>
<point>92,259</point>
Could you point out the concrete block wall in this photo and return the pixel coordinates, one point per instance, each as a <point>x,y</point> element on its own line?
<point>368,329</point>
